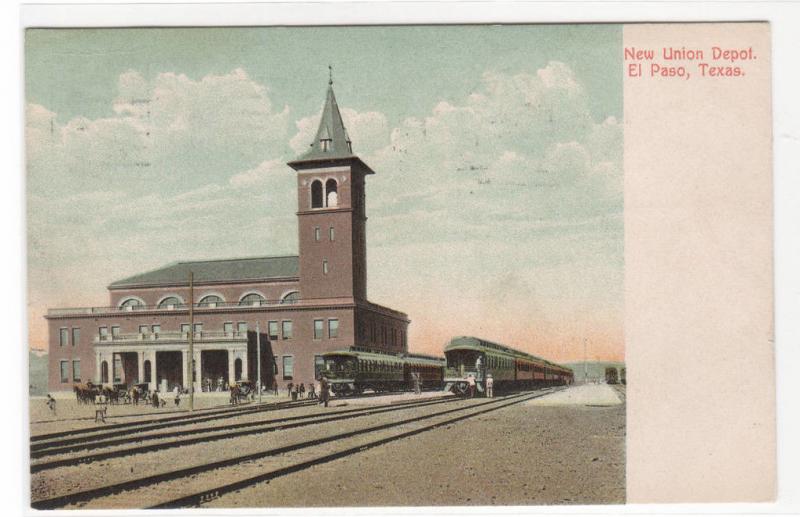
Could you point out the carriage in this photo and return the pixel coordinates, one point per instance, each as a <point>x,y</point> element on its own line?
<point>242,391</point>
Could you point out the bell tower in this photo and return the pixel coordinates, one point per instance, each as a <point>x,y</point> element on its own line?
<point>331,212</point>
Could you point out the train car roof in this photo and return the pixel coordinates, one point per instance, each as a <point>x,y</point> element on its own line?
<point>424,359</point>
<point>474,343</point>
<point>369,356</point>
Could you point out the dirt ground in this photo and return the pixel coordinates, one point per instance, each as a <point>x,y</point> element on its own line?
<point>522,455</point>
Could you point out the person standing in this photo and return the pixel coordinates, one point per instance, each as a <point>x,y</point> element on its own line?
<point>51,404</point>
<point>135,395</point>
<point>177,392</point>
<point>275,386</point>
<point>324,391</point>
<point>471,383</point>
<point>301,391</point>
<point>155,399</point>
<point>417,384</point>
<point>489,386</point>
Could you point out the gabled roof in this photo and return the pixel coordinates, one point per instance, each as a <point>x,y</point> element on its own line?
<point>230,270</point>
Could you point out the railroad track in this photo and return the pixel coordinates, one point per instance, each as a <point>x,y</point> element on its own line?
<point>441,418</point>
<point>214,433</point>
<point>45,440</point>
<point>185,416</point>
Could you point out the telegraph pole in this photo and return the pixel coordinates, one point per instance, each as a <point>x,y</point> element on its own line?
<point>258,361</point>
<point>585,368</point>
<point>191,341</point>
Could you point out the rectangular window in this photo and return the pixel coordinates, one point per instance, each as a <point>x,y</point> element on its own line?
<point>242,327</point>
<point>273,330</point>
<point>318,329</point>
<point>331,234</point>
<point>117,368</point>
<point>184,328</point>
<point>287,329</point>
<point>103,332</point>
<point>115,331</point>
<point>319,365</point>
<point>76,370</point>
<point>64,371</point>
<point>288,367</point>
<point>324,267</point>
<point>316,234</point>
<point>156,329</point>
<point>144,329</point>
<point>198,328</point>
<point>63,336</point>
<point>76,336</point>
<point>333,328</point>
<point>227,327</point>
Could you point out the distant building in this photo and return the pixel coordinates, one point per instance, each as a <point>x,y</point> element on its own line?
<point>304,305</point>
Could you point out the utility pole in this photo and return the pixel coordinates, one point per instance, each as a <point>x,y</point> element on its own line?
<point>258,361</point>
<point>191,341</point>
<point>585,367</point>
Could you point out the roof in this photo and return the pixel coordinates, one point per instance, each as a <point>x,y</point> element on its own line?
<point>331,128</point>
<point>473,343</point>
<point>231,270</point>
<point>371,356</point>
<point>331,141</point>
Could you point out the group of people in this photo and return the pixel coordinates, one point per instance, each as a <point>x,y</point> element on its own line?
<point>471,383</point>
<point>298,391</point>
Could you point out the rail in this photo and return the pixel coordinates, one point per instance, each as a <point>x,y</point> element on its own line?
<point>169,336</point>
<point>81,311</point>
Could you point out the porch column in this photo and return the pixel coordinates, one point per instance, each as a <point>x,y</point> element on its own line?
<point>198,371</point>
<point>231,372</point>
<point>98,359</point>
<point>139,367</point>
<point>153,376</point>
<point>244,364</point>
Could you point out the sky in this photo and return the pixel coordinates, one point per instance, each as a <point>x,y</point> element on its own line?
<point>496,209</point>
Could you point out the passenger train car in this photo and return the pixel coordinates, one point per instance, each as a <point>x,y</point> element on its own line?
<point>354,370</point>
<point>509,368</point>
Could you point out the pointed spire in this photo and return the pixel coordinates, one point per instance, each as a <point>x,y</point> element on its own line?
<point>331,140</point>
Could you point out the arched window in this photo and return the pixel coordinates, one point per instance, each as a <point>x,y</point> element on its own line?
<point>211,300</point>
<point>331,194</point>
<point>104,372</point>
<point>316,194</point>
<point>292,297</point>
<point>131,304</point>
<point>237,369</point>
<point>169,302</point>
<point>252,299</point>
<point>146,371</point>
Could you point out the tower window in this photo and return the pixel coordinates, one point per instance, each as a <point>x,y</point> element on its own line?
<point>316,194</point>
<point>316,234</point>
<point>324,267</point>
<point>331,193</point>
<point>331,234</point>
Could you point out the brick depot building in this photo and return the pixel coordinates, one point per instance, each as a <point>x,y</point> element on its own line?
<point>303,305</point>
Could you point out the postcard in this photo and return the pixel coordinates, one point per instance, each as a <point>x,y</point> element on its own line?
<point>399,265</point>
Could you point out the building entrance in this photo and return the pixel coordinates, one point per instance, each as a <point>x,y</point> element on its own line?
<point>214,370</point>
<point>129,365</point>
<point>169,370</point>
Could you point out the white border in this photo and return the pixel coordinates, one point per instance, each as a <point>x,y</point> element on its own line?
<point>785,22</point>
